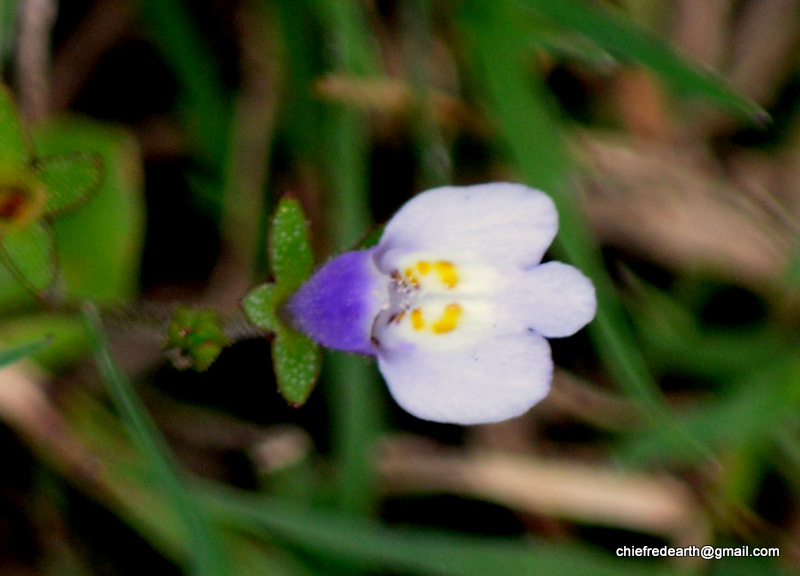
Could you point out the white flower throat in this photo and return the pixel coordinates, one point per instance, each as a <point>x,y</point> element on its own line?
<point>420,293</point>
<point>436,300</point>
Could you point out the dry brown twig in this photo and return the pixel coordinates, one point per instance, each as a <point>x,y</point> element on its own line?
<point>656,200</point>
<point>590,494</point>
<point>36,19</point>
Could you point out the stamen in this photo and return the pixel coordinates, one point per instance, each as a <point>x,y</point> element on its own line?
<point>449,320</point>
<point>411,278</point>
<point>416,319</point>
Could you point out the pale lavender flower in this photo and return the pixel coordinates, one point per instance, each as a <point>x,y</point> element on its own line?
<point>454,302</point>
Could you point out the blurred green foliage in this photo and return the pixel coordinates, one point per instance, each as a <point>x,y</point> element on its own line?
<point>745,379</point>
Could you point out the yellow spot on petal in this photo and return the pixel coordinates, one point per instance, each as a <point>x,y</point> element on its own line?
<point>416,319</point>
<point>447,272</point>
<point>449,320</point>
<point>423,267</point>
<point>411,277</point>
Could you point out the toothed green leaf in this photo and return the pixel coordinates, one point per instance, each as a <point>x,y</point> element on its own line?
<point>28,253</point>
<point>99,244</point>
<point>260,306</point>
<point>69,179</point>
<point>297,361</point>
<point>290,249</point>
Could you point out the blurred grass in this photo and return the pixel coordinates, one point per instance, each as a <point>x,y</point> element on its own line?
<point>534,137</point>
<point>745,381</point>
<point>16,353</point>
<point>370,545</point>
<point>205,102</point>
<point>7,29</point>
<point>617,33</point>
<point>204,546</point>
<point>356,413</point>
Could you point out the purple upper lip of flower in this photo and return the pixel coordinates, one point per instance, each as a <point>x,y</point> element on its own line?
<point>454,302</point>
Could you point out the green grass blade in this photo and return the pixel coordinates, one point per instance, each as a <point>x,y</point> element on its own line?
<point>356,406</point>
<point>372,546</point>
<point>619,35</point>
<point>758,405</point>
<point>20,351</point>
<point>8,29</point>
<point>530,128</point>
<point>207,556</point>
<point>207,104</point>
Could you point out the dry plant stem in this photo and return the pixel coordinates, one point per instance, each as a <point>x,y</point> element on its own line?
<point>701,29</point>
<point>104,24</point>
<point>641,104</point>
<point>570,398</point>
<point>763,43</point>
<point>663,202</point>
<point>586,402</point>
<point>27,409</point>
<point>254,120</point>
<point>590,494</point>
<point>761,47</point>
<point>33,57</point>
<point>99,471</point>
<point>391,102</point>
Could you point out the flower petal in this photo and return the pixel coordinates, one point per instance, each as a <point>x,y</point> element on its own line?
<point>492,380</point>
<point>338,304</point>
<point>498,223</point>
<point>554,299</point>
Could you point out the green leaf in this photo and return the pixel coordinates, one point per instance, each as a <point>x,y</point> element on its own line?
<point>289,246</point>
<point>297,360</point>
<point>619,35</point>
<point>351,540</point>
<point>99,246</point>
<point>261,305</point>
<point>16,353</point>
<point>69,179</point>
<point>13,142</point>
<point>28,253</point>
